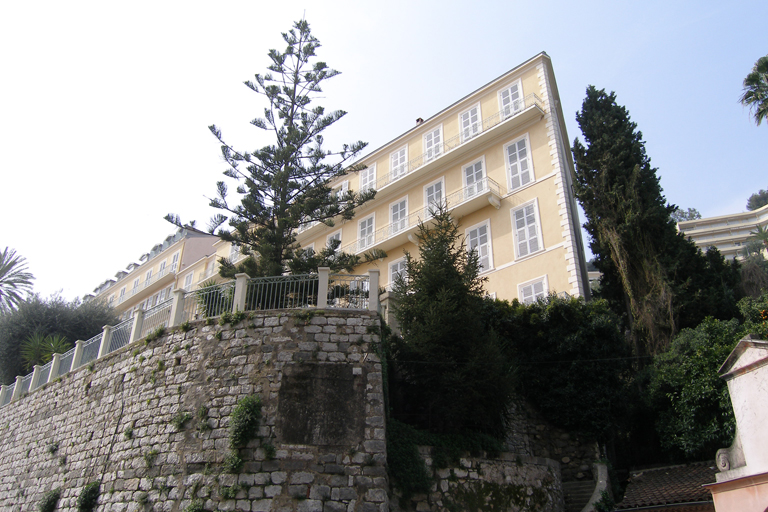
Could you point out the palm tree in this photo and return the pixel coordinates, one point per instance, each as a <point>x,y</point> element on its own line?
<point>756,90</point>
<point>760,234</point>
<point>14,279</point>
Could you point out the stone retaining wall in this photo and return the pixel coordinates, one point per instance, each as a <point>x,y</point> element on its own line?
<point>321,440</point>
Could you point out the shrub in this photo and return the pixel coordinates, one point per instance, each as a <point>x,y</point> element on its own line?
<point>232,463</point>
<point>86,502</point>
<point>49,501</point>
<point>244,421</point>
<point>180,419</point>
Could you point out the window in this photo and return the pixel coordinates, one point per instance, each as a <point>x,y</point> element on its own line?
<point>511,100</point>
<point>334,240</point>
<point>433,196</point>
<point>527,231</point>
<point>234,252</point>
<point>122,293</point>
<point>148,278</point>
<point>433,144</point>
<point>368,178</point>
<point>174,262</point>
<point>397,162</point>
<point>398,213</point>
<point>111,299</point>
<point>339,191</point>
<point>532,290</point>
<point>188,280</point>
<point>396,269</point>
<point>479,239</point>
<point>474,178</point>
<point>209,268</point>
<point>470,123</point>
<point>135,284</point>
<point>519,163</point>
<point>161,272</point>
<point>365,228</point>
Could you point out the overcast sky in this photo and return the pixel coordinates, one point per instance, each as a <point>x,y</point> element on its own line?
<point>105,105</point>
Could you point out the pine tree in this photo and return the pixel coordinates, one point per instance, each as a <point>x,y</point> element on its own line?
<point>660,280</point>
<point>454,370</point>
<point>287,183</point>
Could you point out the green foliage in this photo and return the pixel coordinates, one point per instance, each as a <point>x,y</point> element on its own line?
<point>757,200</point>
<point>755,94</point>
<point>694,407</point>
<point>572,361</point>
<point>680,215</point>
<point>156,334</point>
<point>39,348</point>
<point>50,501</point>
<point>53,448</point>
<point>244,422</point>
<point>230,493</point>
<point>88,498</point>
<point>53,316</point>
<point>150,457</point>
<point>180,419</point>
<point>269,451</point>
<point>285,184</point>
<point>196,506</point>
<point>453,372</point>
<point>605,503</point>
<point>15,280</point>
<point>185,326</point>
<point>232,463</point>
<point>660,280</point>
<point>214,300</point>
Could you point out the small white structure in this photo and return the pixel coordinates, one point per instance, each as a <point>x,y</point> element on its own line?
<point>742,484</point>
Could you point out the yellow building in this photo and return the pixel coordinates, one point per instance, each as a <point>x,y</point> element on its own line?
<point>499,159</point>
<point>729,233</point>
<point>185,260</point>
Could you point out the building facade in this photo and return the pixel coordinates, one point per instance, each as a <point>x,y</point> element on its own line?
<point>186,259</point>
<point>729,233</point>
<point>500,161</point>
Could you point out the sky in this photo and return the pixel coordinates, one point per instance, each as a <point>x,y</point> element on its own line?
<point>105,106</point>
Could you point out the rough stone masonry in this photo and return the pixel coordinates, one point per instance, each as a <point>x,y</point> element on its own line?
<point>150,422</point>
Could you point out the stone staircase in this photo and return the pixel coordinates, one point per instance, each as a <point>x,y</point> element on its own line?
<point>577,494</point>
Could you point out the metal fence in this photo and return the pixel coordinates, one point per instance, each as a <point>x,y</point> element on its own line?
<point>121,335</point>
<point>348,291</point>
<point>208,302</point>
<point>25,383</point>
<point>282,292</point>
<point>42,378</point>
<point>91,349</point>
<point>158,316</point>
<point>65,363</point>
<point>8,395</point>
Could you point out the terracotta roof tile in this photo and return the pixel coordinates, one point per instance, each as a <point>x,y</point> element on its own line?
<point>669,485</point>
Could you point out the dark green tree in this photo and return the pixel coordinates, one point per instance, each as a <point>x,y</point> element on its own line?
<point>649,270</point>
<point>757,200</point>
<point>287,183</point>
<point>73,320</point>
<point>453,370</point>
<point>680,215</point>
<point>15,280</point>
<point>755,94</point>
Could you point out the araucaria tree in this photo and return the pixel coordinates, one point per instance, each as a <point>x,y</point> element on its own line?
<point>655,275</point>
<point>287,183</point>
<point>755,94</point>
<point>454,373</point>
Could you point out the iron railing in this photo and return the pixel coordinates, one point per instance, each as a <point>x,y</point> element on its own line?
<point>91,349</point>
<point>208,302</point>
<point>8,394</point>
<point>25,383</point>
<point>65,362</point>
<point>158,316</point>
<point>348,291</point>
<point>451,201</point>
<point>454,142</point>
<point>42,376</point>
<point>121,335</point>
<point>282,292</point>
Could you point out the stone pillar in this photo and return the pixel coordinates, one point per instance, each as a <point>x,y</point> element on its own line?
<point>241,287</point>
<point>17,388</point>
<point>55,363</point>
<point>373,292</point>
<point>106,338</point>
<point>78,355</point>
<point>177,308</point>
<point>138,324</point>
<point>35,378</point>
<point>322,288</point>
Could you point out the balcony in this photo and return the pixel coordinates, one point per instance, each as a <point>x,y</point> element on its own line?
<point>526,109</point>
<point>460,203</point>
<point>151,285</point>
